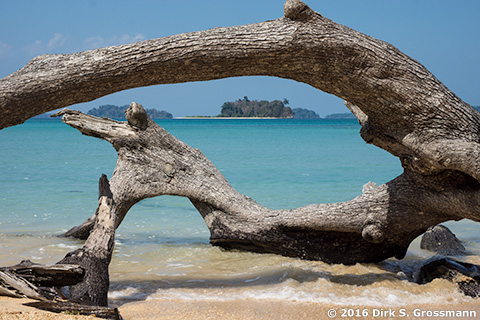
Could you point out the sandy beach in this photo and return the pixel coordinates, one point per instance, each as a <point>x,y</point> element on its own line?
<point>13,309</point>
<point>250,310</point>
<point>156,309</point>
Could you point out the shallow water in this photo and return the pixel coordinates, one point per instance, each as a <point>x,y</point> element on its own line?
<point>49,175</point>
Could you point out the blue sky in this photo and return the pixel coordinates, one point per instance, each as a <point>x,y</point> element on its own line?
<point>442,35</point>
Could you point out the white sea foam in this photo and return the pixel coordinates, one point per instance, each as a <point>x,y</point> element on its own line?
<point>376,298</point>
<point>179,265</point>
<point>130,293</point>
<point>67,246</point>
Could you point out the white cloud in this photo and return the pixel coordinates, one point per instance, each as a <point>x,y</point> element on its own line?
<point>5,50</point>
<point>36,48</point>
<point>59,43</point>
<point>54,44</point>
<point>99,41</point>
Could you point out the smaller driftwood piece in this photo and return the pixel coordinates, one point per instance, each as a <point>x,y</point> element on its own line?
<point>83,271</point>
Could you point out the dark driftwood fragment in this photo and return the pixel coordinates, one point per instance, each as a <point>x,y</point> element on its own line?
<point>82,231</point>
<point>101,312</point>
<point>57,275</point>
<point>12,283</point>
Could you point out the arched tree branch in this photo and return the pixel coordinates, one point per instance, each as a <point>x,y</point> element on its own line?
<point>402,107</point>
<point>401,98</point>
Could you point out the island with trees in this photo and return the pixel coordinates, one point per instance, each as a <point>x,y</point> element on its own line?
<point>245,108</point>
<point>301,113</point>
<point>341,116</point>
<point>116,112</point>
<point>263,109</point>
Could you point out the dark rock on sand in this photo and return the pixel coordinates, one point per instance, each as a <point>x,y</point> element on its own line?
<point>441,240</point>
<point>465,275</point>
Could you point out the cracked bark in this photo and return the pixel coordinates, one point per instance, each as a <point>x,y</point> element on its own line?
<point>96,253</point>
<point>401,106</point>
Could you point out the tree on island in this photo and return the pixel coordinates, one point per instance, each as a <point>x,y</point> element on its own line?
<point>401,106</point>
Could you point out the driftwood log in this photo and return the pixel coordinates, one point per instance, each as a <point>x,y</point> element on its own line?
<point>57,275</point>
<point>84,271</point>
<point>37,281</point>
<point>401,106</point>
<point>75,308</point>
<point>377,225</point>
<point>96,254</point>
<point>12,285</point>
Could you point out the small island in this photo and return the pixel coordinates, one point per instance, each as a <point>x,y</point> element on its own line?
<point>301,113</point>
<point>341,116</point>
<point>116,112</point>
<point>245,108</point>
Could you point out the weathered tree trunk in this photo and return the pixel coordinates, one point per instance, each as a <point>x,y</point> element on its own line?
<point>378,224</point>
<point>96,253</point>
<point>40,282</point>
<point>401,106</point>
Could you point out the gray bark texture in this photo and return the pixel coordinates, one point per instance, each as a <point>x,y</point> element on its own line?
<point>95,256</point>
<point>401,106</point>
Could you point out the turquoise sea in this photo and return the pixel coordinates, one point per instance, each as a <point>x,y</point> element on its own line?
<point>48,183</point>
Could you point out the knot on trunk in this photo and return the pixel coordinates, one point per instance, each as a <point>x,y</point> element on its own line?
<point>296,10</point>
<point>373,233</point>
<point>137,116</point>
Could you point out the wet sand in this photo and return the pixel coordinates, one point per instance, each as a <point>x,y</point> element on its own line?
<point>12,309</point>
